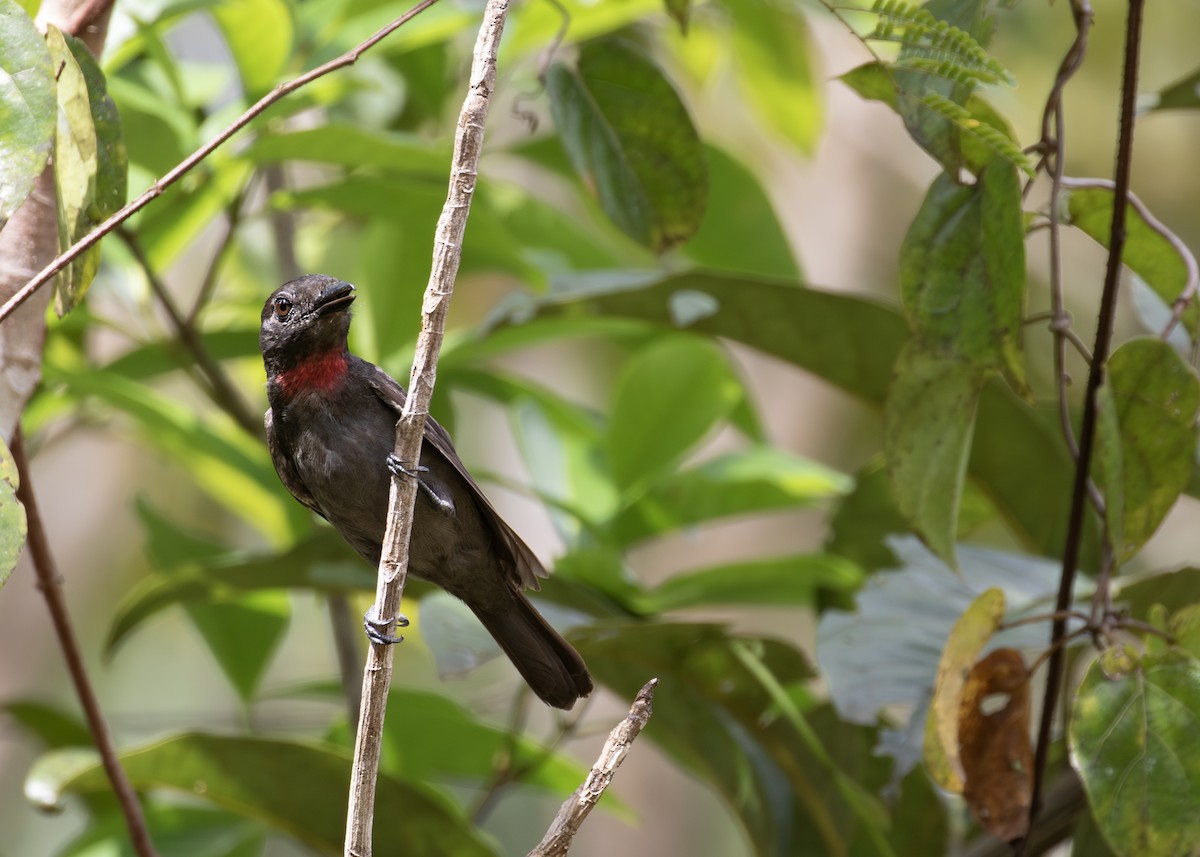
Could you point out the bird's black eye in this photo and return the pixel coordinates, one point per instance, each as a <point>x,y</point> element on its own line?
<point>282,307</point>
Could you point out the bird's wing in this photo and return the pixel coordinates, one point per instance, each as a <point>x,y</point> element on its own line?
<point>286,469</point>
<point>527,566</point>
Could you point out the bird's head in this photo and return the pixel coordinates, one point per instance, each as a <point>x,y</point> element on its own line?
<point>304,326</point>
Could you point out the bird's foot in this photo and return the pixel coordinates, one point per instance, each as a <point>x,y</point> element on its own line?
<point>377,629</point>
<point>399,468</point>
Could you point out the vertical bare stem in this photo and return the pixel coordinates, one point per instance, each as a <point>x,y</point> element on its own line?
<point>393,564</point>
<point>48,582</point>
<point>1087,433</point>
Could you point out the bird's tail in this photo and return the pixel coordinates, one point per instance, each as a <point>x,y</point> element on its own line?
<point>547,662</point>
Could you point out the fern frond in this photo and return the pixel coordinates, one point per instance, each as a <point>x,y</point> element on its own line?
<point>918,31</point>
<point>981,131</point>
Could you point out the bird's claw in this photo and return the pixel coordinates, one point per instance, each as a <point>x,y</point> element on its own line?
<point>399,468</point>
<point>377,629</point>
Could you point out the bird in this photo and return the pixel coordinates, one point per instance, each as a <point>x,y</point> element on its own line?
<point>331,433</point>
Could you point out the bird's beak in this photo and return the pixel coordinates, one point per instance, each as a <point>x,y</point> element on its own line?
<point>335,298</point>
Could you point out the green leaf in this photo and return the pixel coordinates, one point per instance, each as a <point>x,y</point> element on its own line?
<point>231,467</point>
<point>928,422</point>
<point>668,397</point>
<point>772,50</point>
<point>112,163</point>
<point>823,333</point>
<point>679,10</point>
<point>1108,463</point>
<point>790,580</point>
<point>739,215</point>
<point>1183,94</point>
<point>75,166</point>
<point>761,479</point>
<point>180,831</point>
<point>1131,739</point>
<point>631,141</point>
<point>352,146</point>
<point>1149,253</point>
<point>186,209</point>
<point>865,517</point>
<point>962,270</point>
<point>1157,395</point>
<point>27,114</point>
<point>259,34</point>
<point>321,562</point>
<point>458,747</point>
<point>52,727</point>
<point>258,779</point>
<point>12,515</point>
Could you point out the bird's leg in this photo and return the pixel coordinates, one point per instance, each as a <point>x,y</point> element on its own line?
<point>444,503</point>
<point>377,629</point>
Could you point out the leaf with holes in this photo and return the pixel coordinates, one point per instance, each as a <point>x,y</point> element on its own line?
<point>994,745</point>
<point>970,634</point>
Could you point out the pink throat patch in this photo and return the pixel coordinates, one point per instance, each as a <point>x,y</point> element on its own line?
<point>319,373</point>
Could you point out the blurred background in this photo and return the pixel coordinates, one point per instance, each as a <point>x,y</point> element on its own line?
<point>843,195</point>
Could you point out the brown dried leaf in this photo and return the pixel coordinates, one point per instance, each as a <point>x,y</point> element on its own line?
<point>994,746</point>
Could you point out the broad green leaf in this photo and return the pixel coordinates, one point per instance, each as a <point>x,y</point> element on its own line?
<point>668,397</point>
<point>790,580</point>
<point>243,634</point>
<point>259,34</point>
<point>773,51</point>
<point>112,163</point>
<point>865,517</point>
<point>631,141</point>
<point>320,562</point>
<point>1147,252</point>
<point>538,25</point>
<point>27,114</point>
<point>928,421</point>
<point>351,146</point>
<point>679,11</point>
<point>1183,94</point>
<point>52,727</point>
<point>12,515</point>
<point>1108,466</point>
<point>180,831</point>
<point>821,332</point>
<point>739,216</point>
<point>973,630</point>
<point>1156,395</point>
<point>561,445</point>
<point>962,270</point>
<point>75,166</point>
<point>261,779</point>
<point>231,467</point>
<point>884,655</point>
<point>1132,738</point>
<point>757,480</point>
<point>457,747</point>
<point>1175,589</point>
<point>186,209</point>
<point>1184,626</point>
<point>970,134</point>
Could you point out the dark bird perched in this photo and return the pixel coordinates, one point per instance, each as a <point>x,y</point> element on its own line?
<point>331,430</point>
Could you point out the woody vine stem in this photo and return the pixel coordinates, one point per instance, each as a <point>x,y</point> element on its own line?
<point>1087,432</point>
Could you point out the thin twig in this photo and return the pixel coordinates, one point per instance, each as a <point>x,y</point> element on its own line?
<point>50,583</point>
<point>155,190</point>
<point>219,387</point>
<point>1108,302</point>
<point>393,562</point>
<point>233,216</point>
<point>575,809</point>
<point>1188,293</point>
<point>346,634</point>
